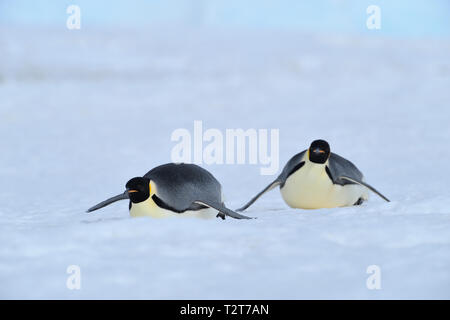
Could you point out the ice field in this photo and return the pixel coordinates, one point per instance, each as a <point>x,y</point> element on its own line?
<point>82,112</point>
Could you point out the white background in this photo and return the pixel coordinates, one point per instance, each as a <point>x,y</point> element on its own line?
<point>83,111</point>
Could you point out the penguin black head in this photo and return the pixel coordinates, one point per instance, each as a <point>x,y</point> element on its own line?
<point>319,151</point>
<point>138,189</point>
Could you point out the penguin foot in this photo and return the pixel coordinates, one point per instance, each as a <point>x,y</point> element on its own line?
<point>359,202</point>
<point>220,215</point>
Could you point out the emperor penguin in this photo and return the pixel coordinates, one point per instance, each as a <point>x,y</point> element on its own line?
<point>171,189</point>
<point>317,178</point>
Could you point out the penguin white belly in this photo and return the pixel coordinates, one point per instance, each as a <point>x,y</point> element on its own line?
<point>311,188</point>
<point>149,208</point>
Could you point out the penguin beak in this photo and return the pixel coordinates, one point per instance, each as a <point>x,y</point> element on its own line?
<point>102,204</point>
<point>317,150</point>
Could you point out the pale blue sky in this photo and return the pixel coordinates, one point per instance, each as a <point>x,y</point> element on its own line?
<point>399,17</point>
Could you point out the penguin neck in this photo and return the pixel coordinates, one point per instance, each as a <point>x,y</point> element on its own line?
<point>318,166</point>
<point>148,207</point>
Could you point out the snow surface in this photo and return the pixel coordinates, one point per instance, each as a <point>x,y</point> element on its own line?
<point>81,112</point>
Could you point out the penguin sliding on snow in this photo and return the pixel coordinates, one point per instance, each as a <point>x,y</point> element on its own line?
<point>317,178</point>
<point>174,190</point>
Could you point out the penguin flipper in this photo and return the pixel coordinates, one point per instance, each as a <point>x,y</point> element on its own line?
<point>268,188</point>
<point>368,186</point>
<point>222,209</point>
